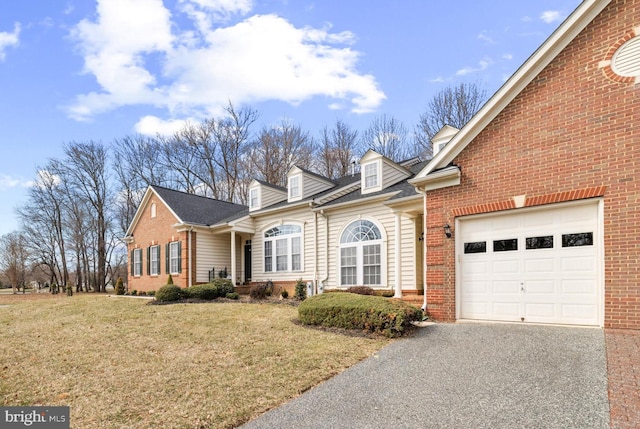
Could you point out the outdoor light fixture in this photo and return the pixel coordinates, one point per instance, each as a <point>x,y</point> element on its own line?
<point>447,230</point>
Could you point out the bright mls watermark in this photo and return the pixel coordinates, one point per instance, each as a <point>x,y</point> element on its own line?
<point>34,417</point>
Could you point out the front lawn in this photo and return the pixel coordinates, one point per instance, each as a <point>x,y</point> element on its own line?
<point>118,362</point>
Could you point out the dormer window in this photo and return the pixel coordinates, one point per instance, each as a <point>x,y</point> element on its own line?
<point>294,187</point>
<point>153,210</point>
<point>254,198</point>
<point>371,173</point>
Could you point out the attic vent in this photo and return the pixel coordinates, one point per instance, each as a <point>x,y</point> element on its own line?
<point>626,60</point>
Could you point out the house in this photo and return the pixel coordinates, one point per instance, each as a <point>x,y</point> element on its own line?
<point>169,234</point>
<point>363,229</point>
<point>532,208</point>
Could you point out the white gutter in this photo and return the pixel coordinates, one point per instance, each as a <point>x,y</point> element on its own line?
<point>326,246</point>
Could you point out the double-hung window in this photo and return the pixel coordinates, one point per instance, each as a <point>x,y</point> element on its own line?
<point>154,260</point>
<point>254,198</point>
<point>371,175</point>
<point>361,255</point>
<point>174,257</point>
<point>294,187</point>
<point>136,260</point>
<point>283,248</point>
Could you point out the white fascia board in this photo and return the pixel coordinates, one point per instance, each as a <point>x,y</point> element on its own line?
<point>277,209</point>
<point>446,177</point>
<point>568,30</point>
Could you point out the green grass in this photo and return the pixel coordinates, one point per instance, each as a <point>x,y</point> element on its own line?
<point>121,363</point>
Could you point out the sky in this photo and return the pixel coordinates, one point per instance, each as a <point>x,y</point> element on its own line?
<point>81,70</point>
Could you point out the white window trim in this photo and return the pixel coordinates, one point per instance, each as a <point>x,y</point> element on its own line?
<point>255,206</point>
<point>359,255</point>
<point>174,245</point>
<point>154,264</point>
<point>289,247</point>
<point>297,196</point>
<point>137,262</point>
<point>372,188</point>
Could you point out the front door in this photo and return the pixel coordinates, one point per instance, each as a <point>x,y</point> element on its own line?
<point>247,261</point>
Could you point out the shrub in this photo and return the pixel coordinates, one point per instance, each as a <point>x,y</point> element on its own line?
<point>134,292</point>
<point>361,290</point>
<point>301,290</point>
<point>168,293</point>
<point>169,280</point>
<point>284,294</point>
<point>142,293</point>
<point>151,293</point>
<point>224,285</point>
<point>120,286</point>
<point>261,290</point>
<point>353,311</point>
<point>233,295</point>
<point>209,291</point>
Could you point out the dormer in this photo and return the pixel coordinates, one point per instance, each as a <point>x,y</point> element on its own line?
<point>263,194</point>
<point>303,184</point>
<point>378,172</point>
<point>442,137</point>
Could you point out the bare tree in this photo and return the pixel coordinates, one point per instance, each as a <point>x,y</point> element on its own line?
<point>338,148</point>
<point>277,149</point>
<point>86,171</point>
<point>388,136</point>
<point>453,106</point>
<point>13,259</point>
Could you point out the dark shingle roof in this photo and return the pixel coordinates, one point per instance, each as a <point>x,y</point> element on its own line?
<point>199,210</point>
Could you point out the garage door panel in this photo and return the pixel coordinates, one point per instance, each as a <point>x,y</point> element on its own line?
<point>505,267</point>
<point>540,287</point>
<point>579,263</point>
<point>540,265</point>
<point>573,287</point>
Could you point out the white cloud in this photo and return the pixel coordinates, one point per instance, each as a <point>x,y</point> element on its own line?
<point>482,65</point>
<point>263,57</point>
<point>9,39</point>
<point>525,19</point>
<point>152,126</point>
<point>508,57</point>
<point>550,16</point>
<point>486,38</point>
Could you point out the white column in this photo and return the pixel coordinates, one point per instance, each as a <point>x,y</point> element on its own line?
<point>398,256</point>
<point>233,258</point>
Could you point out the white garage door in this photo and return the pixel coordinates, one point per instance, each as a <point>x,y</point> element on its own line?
<point>536,266</point>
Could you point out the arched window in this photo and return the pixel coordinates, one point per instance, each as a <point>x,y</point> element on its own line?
<point>361,254</point>
<point>283,248</point>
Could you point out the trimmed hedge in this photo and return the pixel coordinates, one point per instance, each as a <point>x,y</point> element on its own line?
<point>216,289</point>
<point>352,311</point>
<point>168,293</point>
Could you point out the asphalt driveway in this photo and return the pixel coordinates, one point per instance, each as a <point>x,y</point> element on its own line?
<point>464,376</point>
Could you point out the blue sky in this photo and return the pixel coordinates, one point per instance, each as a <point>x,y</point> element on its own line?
<point>78,70</point>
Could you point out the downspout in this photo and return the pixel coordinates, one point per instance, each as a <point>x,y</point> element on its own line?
<point>424,248</point>
<point>326,248</point>
<point>397,274</point>
<point>315,252</point>
<point>190,279</point>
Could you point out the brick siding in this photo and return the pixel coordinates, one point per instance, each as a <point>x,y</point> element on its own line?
<point>572,133</point>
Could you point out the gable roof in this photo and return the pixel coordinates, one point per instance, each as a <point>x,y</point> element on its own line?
<point>189,208</point>
<point>196,209</point>
<point>564,34</point>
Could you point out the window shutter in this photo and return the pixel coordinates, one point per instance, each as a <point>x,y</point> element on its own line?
<point>148,260</point>
<point>179,256</point>
<point>132,262</point>
<point>166,256</point>
<point>158,261</point>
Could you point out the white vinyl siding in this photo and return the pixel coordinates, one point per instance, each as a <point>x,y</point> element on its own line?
<point>212,252</point>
